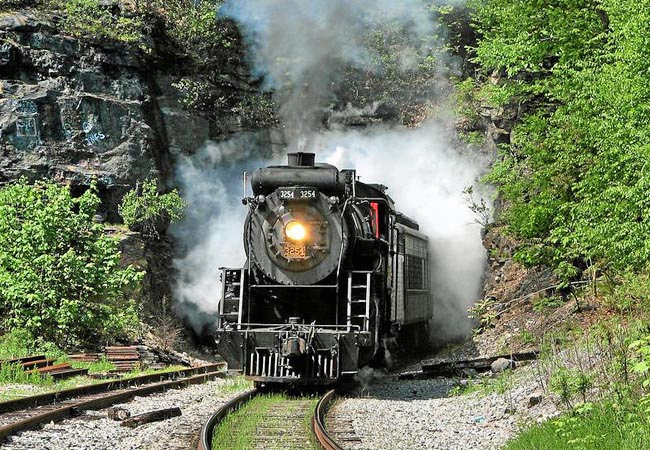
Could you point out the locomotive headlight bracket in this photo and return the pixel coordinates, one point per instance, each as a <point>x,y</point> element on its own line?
<point>295,231</point>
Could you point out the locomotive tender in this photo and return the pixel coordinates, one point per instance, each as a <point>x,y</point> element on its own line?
<point>333,271</point>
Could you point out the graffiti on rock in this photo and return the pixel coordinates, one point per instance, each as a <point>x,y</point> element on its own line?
<point>26,127</point>
<point>93,135</point>
<point>22,107</point>
<point>28,133</point>
<point>94,138</point>
<point>5,54</point>
<point>68,133</point>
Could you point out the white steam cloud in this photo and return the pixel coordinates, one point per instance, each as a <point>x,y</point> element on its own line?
<point>300,48</point>
<point>426,176</point>
<point>210,234</point>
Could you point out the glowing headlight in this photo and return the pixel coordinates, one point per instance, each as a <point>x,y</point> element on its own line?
<point>295,231</point>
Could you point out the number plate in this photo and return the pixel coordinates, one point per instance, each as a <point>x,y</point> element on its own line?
<point>297,193</point>
<point>294,251</point>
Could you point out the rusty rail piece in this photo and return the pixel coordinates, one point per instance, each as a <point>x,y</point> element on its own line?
<point>451,368</point>
<point>318,422</point>
<point>205,439</point>
<point>97,396</point>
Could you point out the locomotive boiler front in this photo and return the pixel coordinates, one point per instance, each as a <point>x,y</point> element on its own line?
<point>294,233</point>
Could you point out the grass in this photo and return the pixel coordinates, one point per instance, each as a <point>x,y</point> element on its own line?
<point>486,385</point>
<point>238,430</point>
<point>603,427</point>
<point>15,374</point>
<point>103,365</point>
<point>236,384</point>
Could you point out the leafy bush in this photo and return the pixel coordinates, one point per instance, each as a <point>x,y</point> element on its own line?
<point>94,19</point>
<point>145,209</point>
<point>193,22</point>
<point>20,342</point>
<point>60,277</point>
<point>575,177</point>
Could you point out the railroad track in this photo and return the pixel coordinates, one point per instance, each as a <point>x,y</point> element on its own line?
<point>30,412</point>
<point>282,424</point>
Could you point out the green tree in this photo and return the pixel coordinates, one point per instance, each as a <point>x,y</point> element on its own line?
<point>146,210</point>
<point>575,176</point>
<point>60,276</point>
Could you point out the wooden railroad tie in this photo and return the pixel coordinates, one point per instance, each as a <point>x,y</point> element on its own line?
<point>151,416</point>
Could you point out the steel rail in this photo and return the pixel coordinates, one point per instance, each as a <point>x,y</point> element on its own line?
<point>53,397</point>
<point>207,431</point>
<point>318,422</point>
<point>104,400</point>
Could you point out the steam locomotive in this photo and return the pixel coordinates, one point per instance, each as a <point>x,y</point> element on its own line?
<point>333,272</point>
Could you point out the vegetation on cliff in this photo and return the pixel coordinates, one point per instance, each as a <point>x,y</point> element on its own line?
<point>146,210</point>
<point>574,183</point>
<point>575,175</point>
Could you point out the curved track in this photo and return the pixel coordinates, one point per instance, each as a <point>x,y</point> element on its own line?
<point>318,422</point>
<point>30,412</point>
<point>291,413</point>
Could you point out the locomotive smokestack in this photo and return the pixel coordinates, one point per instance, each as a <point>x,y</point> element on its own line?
<point>301,159</point>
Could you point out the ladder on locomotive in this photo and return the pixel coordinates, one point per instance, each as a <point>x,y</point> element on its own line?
<point>358,300</point>
<point>232,296</point>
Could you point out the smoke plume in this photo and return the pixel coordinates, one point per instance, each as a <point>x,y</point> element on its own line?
<point>300,49</point>
<point>210,234</point>
<point>426,176</point>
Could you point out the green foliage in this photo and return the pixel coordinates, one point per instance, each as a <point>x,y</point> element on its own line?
<point>194,24</point>
<point>15,374</point>
<point>92,18</point>
<point>575,176</point>
<point>544,303</point>
<point>146,210</point>
<point>60,277</point>
<point>570,382</point>
<point>486,385</point>
<point>606,426</point>
<point>472,137</point>
<point>496,95</point>
<point>20,342</point>
<point>606,370</point>
<point>101,366</point>
<point>628,292</point>
<point>526,337</point>
<point>236,384</point>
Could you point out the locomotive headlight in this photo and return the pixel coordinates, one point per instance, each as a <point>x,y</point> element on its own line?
<point>295,231</point>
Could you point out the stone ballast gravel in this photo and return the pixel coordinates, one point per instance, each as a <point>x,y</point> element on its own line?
<point>94,430</point>
<point>420,414</point>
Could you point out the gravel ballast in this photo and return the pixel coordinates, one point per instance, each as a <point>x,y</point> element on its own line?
<point>94,430</point>
<point>421,414</point>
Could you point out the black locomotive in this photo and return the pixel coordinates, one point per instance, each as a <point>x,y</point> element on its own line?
<point>332,272</point>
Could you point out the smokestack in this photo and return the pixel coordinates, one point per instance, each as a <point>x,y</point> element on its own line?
<point>302,159</point>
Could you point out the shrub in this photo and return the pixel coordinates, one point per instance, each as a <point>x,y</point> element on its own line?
<point>20,342</point>
<point>60,277</point>
<point>145,209</point>
<point>92,18</point>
